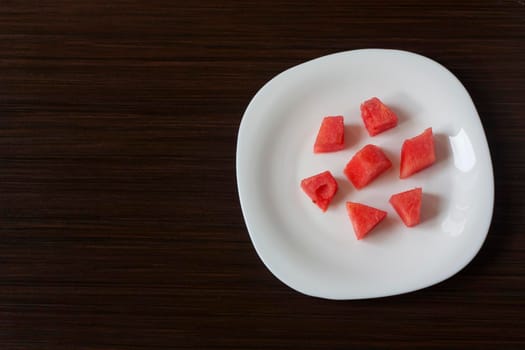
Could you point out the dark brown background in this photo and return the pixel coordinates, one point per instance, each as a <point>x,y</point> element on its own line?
<point>120,226</point>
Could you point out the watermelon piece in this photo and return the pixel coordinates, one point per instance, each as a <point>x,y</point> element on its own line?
<point>331,135</point>
<point>408,205</point>
<point>364,218</point>
<point>367,164</point>
<point>321,189</point>
<point>377,116</point>
<point>417,154</point>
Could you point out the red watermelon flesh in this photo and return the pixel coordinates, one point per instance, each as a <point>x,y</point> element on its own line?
<point>408,205</point>
<point>417,154</point>
<point>377,116</point>
<point>367,164</point>
<point>321,189</point>
<point>331,136</point>
<point>364,218</point>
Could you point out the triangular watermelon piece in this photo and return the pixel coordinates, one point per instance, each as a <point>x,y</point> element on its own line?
<point>417,154</point>
<point>408,205</point>
<point>331,135</point>
<point>367,164</point>
<point>321,189</point>
<point>364,218</point>
<point>377,116</point>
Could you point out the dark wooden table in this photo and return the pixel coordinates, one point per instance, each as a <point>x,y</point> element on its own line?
<point>120,221</point>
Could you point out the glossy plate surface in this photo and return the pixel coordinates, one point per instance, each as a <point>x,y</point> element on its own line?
<point>317,253</point>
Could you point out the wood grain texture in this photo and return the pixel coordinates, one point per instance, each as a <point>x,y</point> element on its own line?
<point>121,226</point>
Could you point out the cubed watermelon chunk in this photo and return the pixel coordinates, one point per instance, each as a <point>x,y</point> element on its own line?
<point>331,135</point>
<point>377,116</point>
<point>364,218</point>
<point>321,189</point>
<point>417,154</point>
<point>366,165</point>
<point>408,205</point>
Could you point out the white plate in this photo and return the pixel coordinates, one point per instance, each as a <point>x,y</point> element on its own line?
<point>317,253</point>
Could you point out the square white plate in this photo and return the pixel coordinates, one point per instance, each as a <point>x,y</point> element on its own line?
<point>317,253</point>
